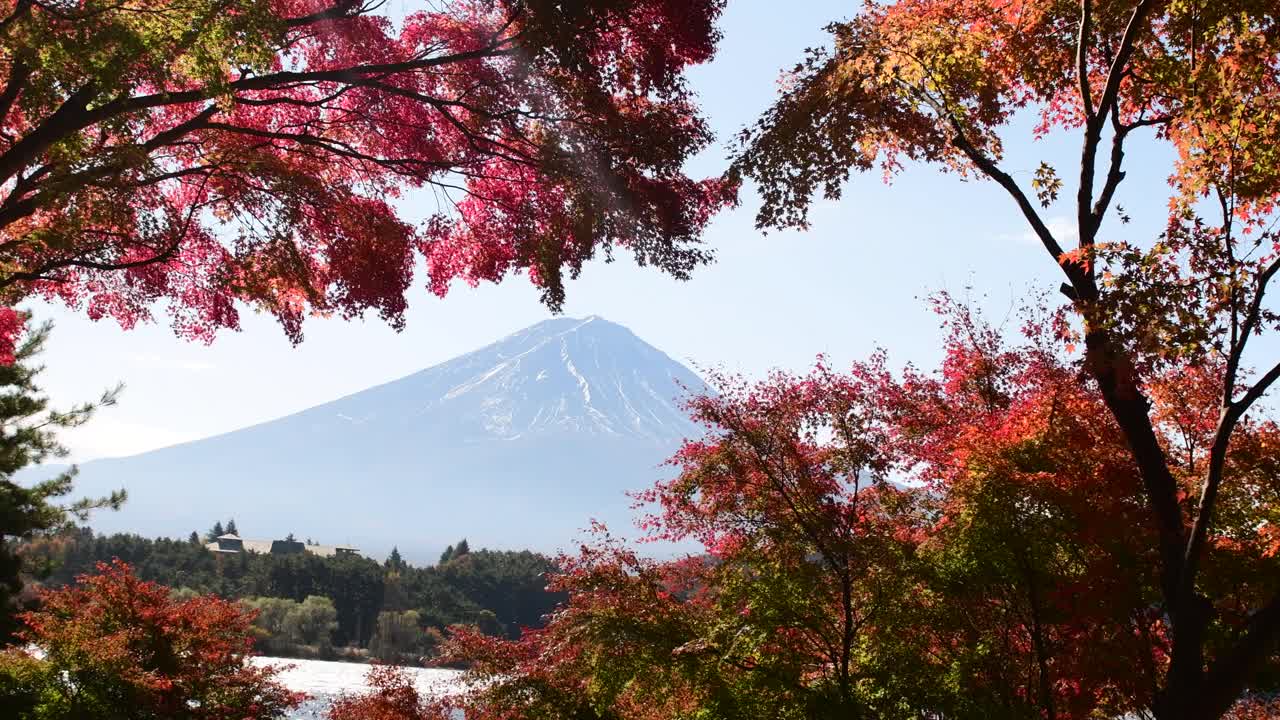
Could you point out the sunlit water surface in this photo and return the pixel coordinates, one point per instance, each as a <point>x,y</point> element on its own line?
<point>323,681</point>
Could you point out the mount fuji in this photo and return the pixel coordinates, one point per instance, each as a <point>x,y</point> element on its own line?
<point>518,444</point>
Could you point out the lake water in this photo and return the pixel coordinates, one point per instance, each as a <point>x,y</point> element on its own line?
<point>324,681</point>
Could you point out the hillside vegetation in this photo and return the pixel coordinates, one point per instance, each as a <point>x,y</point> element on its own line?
<point>345,606</point>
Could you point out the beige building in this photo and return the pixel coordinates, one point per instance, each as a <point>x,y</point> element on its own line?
<point>230,544</point>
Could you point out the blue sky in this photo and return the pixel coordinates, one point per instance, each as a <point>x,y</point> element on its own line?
<point>855,281</point>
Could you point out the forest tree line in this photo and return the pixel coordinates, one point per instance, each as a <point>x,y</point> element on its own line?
<point>343,606</point>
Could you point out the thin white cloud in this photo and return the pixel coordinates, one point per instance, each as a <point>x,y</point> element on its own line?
<point>1062,227</point>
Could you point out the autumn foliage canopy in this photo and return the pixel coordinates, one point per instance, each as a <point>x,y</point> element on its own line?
<point>1015,574</point>
<point>943,82</point>
<point>278,153</point>
<point>114,646</point>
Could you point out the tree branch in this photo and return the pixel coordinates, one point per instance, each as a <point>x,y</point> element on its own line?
<point>993,171</point>
<point>1082,55</point>
<point>1109,363</point>
<point>20,203</point>
<point>287,78</point>
<point>42,273</point>
<point>1114,76</point>
<point>339,10</point>
<point>62,122</point>
<point>1232,412</point>
<point>1094,121</point>
<point>19,71</point>
<point>1115,175</point>
<point>74,114</point>
<point>1251,320</point>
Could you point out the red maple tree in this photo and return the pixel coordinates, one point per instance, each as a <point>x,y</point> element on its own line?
<point>1256,709</point>
<point>203,154</point>
<point>1014,576</point>
<point>392,695</point>
<point>941,81</point>
<point>114,646</point>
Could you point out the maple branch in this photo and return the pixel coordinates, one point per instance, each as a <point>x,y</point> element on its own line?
<point>1228,246</point>
<point>1115,173</point>
<point>19,71</point>
<point>993,171</point>
<point>1005,180</point>
<point>62,122</point>
<point>1147,122</point>
<point>161,256</point>
<point>988,166</point>
<point>71,13</point>
<point>70,117</point>
<point>42,273</point>
<point>342,9</point>
<point>335,147</point>
<point>1258,390</point>
<point>1094,121</point>
<point>1038,639</point>
<point>1114,76</point>
<point>20,203</point>
<point>761,458</point>
<point>1108,362</point>
<point>1252,317</point>
<point>1117,380</point>
<point>1082,55</point>
<point>74,114</point>
<point>286,79</point>
<point>1232,412</point>
<point>473,139</point>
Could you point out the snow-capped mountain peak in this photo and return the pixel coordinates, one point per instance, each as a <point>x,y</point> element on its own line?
<point>565,375</point>
<point>522,442</point>
<point>561,376</point>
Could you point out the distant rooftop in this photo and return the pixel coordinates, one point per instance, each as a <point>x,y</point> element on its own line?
<point>231,544</point>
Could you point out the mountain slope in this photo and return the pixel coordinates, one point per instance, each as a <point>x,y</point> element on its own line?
<point>517,444</point>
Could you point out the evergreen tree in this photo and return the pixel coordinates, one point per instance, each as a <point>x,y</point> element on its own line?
<point>215,532</point>
<point>461,549</point>
<point>290,538</point>
<point>231,527</point>
<point>195,538</point>
<point>446,556</point>
<point>28,436</point>
<point>394,562</point>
